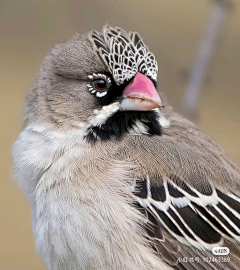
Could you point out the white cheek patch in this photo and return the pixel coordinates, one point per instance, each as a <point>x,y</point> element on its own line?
<point>164,122</point>
<point>101,116</point>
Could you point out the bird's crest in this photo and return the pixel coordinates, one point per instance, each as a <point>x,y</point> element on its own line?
<point>124,53</point>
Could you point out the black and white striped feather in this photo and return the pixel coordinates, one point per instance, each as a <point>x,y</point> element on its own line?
<point>124,54</point>
<point>199,219</point>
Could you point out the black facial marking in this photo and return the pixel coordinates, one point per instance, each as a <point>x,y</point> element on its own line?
<point>114,94</point>
<point>122,122</point>
<point>114,91</point>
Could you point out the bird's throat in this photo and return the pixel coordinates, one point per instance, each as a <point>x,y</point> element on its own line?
<point>124,122</point>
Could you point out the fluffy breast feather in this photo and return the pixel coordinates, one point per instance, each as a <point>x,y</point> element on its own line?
<point>79,199</point>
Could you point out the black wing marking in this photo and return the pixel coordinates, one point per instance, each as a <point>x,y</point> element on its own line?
<point>196,218</point>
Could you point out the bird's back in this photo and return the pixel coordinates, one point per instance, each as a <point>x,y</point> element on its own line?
<point>189,188</point>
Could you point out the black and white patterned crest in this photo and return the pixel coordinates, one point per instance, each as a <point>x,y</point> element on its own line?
<point>124,54</point>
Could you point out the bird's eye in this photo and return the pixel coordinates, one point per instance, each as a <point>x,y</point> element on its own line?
<point>100,85</point>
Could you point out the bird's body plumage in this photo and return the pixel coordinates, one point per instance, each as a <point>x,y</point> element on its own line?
<point>144,198</point>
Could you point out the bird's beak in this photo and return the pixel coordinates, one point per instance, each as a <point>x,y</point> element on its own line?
<point>140,95</point>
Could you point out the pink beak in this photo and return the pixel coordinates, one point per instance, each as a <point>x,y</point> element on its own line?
<point>140,95</point>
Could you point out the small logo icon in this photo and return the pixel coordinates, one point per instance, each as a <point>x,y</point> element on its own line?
<point>220,251</point>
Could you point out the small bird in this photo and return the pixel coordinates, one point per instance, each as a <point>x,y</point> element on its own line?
<point>116,179</point>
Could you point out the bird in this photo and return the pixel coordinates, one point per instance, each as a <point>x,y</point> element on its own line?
<point>116,179</point>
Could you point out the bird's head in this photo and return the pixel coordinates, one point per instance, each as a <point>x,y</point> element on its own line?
<point>102,82</point>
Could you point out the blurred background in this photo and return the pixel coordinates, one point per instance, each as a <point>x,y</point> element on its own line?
<point>174,31</point>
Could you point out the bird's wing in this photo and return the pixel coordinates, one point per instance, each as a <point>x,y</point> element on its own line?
<point>189,222</point>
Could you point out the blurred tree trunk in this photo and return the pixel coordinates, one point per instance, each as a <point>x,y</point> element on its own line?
<point>205,52</point>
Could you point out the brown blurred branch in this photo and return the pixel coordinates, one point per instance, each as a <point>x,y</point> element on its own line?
<point>206,50</point>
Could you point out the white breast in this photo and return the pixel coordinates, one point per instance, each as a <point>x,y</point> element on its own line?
<point>78,224</point>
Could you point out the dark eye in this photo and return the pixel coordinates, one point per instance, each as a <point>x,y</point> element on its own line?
<point>100,85</point>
